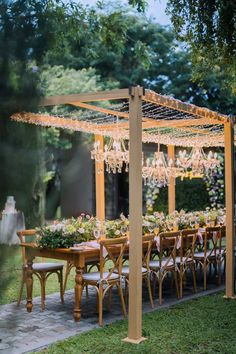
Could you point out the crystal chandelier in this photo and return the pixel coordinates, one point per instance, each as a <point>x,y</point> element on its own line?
<point>197,163</point>
<point>159,171</point>
<point>114,155</point>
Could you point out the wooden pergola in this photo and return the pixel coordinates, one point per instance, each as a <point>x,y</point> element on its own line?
<point>141,115</point>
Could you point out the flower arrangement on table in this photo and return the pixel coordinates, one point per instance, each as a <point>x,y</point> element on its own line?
<point>66,233</point>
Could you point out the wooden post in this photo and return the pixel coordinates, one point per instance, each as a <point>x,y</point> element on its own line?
<point>100,183</point>
<point>229,203</point>
<point>135,216</point>
<point>171,187</point>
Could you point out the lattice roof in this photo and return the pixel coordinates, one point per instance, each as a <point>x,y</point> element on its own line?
<point>164,119</point>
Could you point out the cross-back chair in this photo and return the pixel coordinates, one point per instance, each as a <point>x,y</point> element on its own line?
<point>41,270</point>
<point>147,242</point>
<point>166,262</point>
<point>210,252</point>
<point>185,258</point>
<point>104,280</point>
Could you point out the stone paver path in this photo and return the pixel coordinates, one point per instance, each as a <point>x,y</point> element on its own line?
<point>22,332</point>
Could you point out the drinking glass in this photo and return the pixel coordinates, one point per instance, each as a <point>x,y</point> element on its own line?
<point>192,223</point>
<point>97,233</point>
<point>123,230</point>
<point>150,228</point>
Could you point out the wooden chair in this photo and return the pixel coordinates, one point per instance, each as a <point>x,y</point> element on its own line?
<point>166,262</point>
<point>70,266</point>
<point>42,270</point>
<point>104,280</point>
<point>185,259</point>
<point>147,242</point>
<point>210,252</point>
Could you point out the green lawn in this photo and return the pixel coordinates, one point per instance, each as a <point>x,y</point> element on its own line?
<point>206,325</point>
<point>10,276</point>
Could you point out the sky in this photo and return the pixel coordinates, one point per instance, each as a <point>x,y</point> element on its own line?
<point>156,9</point>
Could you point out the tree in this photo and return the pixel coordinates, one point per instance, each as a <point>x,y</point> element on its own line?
<point>209,28</point>
<point>28,30</point>
<point>70,170</point>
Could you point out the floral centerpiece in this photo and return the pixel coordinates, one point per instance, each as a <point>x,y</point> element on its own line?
<point>65,233</point>
<point>117,228</point>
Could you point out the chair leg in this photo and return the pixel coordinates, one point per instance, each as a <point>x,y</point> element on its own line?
<point>181,284</point>
<point>109,298</point>
<point>150,291</point>
<point>21,289</point>
<point>194,277</point>
<point>60,278</point>
<point>176,284</point>
<point>160,290</point>
<point>100,304</point>
<point>219,272</point>
<point>122,300</point>
<point>205,275</point>
<point>43,296</point>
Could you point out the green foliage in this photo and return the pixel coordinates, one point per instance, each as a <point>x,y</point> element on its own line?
<point>209,28</point>
<point>66,233</point>
<point>191,327</point>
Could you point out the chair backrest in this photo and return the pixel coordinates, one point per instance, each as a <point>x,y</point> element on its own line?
<point>147,241</point>
<point>223,238</point>
<point>187,244</point>
<point>168,247</point>
<point>112,250</point>
<point>23,235</point>
<point>212,241</point>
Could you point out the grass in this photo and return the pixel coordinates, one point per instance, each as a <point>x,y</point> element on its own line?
<point>206,325</point>
<point>10,276</point>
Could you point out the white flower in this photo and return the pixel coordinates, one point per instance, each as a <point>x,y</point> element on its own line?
<point>87,216</point>
<point>117,232</point>
<point>81,230</point>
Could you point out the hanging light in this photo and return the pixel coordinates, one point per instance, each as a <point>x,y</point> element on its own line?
<point>158,170</point>
<point>114,154</point>
<point>197,163</point>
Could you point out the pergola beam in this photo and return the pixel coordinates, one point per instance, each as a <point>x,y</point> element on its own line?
<point>135,217</point>
<point>171,186</point>
<point>229,203</point>
<point>100,183</point>
<point>85,97</point>
<point>178,105</point>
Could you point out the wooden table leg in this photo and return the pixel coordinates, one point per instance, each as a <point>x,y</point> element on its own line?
<point>29,284</point>
<point>78,293</point>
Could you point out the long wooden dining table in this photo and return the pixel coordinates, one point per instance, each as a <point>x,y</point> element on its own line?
<point>79,258</point>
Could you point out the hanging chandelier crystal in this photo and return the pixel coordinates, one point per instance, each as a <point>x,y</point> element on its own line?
<point>158,170</point>
<point>197,163</point>
<point>114,155</point>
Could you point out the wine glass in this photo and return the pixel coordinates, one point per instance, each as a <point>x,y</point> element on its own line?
<point>123,230</point>
<point>150,228</point>
<point>192,223</point>
<point>156,229</point>
<point>97,234</point>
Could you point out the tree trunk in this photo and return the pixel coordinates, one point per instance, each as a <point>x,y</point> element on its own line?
<point>22,169</point>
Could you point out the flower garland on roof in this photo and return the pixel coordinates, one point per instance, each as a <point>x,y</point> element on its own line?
<point>215,185</point>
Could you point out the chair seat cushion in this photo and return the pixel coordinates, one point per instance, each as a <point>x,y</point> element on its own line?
<point>155,264</point>
<point>126,270</point>
<point>199,255</point>
<point>95,276</point>
<point>43,267</point>
<point>184,259</point>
